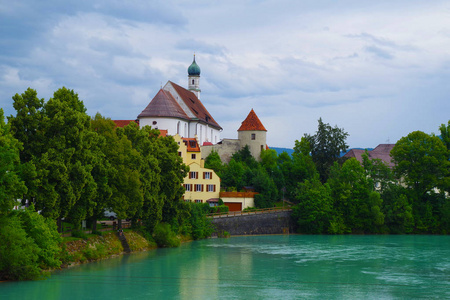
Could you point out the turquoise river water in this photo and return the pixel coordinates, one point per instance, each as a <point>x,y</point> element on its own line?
<point>261,267</point>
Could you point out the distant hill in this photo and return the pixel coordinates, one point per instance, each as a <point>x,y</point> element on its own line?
<point>290,151</point>
<point>281,150</point>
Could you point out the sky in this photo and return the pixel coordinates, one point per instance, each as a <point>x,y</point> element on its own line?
<point>378,69</point>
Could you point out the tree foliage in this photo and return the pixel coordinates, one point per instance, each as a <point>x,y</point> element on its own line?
<point>326,146</point>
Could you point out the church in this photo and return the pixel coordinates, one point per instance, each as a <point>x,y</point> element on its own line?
<point>179,111</point>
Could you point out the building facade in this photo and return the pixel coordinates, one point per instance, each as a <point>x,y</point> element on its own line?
<point>201,185</point>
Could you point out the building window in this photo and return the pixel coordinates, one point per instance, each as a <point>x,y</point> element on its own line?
<point>178,127</point>
<point>193,81</point>
<point>187,200</point>
<point>154,123</point>
<point>188,187</point>
<point>198,201</point>
<point>198,188</point>
<point>193,175</point>
<point>179,153</point>
<point>210,187</point>
<point>193,156</point>
<point>253,136</point>
<point>207,175</point>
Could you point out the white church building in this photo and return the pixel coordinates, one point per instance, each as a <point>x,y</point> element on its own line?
<point>180,111</point>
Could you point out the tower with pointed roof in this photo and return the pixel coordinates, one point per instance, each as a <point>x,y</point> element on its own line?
<point>253,133</point>
<point>194,78</point>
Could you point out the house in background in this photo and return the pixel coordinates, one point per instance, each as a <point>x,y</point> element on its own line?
<point>382,151</point>
<point>201,185</point>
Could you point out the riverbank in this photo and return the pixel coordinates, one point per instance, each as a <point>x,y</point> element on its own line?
<point>97,247</point>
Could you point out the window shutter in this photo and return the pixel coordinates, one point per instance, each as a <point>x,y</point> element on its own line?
<point>204,175</point>
<point>214,187</point>
<point>202,187</point>
<point>210,176</point>
<point>190,175</point>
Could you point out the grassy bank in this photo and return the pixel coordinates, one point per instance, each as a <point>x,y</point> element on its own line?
<point>95,247</point>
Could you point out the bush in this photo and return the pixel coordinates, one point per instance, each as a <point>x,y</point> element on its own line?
<point>79,234</point>
<point>164,236</point>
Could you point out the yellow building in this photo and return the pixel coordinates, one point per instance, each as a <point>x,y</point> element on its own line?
<point>201,185</point>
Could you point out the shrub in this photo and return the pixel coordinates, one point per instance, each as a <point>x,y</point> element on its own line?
<point>164,236</point>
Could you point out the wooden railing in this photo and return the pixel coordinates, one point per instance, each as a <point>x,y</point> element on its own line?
<point>245,213</point>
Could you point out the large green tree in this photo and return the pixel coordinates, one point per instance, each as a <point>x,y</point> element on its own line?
<point>326,146</point>
<point>422,164</point>
<point>11,185</point>
<point>145,141</point>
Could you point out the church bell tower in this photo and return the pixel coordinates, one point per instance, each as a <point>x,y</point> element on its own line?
<point>194,78</point>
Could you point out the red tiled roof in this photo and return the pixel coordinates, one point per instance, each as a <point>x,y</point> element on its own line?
<point>195,105</point>
<point>163,132</point>
<point>192,145</point>
<point>123,123</point>
<point>163,105</point>
<point>252,123</point>
<point>207,144</point>
<point>382,152</point>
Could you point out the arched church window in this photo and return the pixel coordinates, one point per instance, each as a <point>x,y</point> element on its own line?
<point>193,81</point>
<point>178,127</point>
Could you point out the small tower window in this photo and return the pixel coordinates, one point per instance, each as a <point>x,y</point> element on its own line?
<point>253,136</point>
<point>193,81</point>
<point>154,122</point>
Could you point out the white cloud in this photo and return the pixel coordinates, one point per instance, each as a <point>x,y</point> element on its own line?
<point>379,69</point>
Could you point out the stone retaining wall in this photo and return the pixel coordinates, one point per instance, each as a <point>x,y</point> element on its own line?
<point>265,223</point>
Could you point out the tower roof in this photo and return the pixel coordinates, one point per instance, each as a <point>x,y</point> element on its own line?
<point>194,69</point>
<point>163,105</point>
<point>252,123</point>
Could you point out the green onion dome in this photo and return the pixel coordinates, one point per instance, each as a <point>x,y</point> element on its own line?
<point>194,69</point>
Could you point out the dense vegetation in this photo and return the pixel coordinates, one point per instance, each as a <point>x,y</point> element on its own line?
<point>68,166</point>
<point>333,195</point>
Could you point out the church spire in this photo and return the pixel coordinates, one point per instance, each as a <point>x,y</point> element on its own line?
<point>194,78</point>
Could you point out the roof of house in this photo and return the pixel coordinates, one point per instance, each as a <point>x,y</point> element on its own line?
<point>382,152</point>
<point>164,105</point>
<point>123,123</point>
<point>252,123</point>
<point>195,105</point>
<point>192,145</point>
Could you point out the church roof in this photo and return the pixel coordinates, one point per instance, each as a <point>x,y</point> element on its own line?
<point>252,123</point>
<point>163,105</point>
<point>195,105</point>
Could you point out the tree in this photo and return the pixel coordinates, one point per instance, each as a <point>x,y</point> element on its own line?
<point>63,158</point>
<point>313,212</point>
<point>11,185</point>
<point>144,140</point>
<point>326,147</point>
<point>354,198</point>
<point>214,162</point>
<point>298,168</point>
<point>421,162</point>
<point>233,175</point>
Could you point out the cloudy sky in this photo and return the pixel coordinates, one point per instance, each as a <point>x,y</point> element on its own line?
<point>378,69</point>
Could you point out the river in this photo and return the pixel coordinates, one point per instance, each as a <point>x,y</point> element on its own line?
<point>261,267</point>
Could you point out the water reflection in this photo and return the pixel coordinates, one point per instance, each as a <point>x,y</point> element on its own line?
<point>261,267</point>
